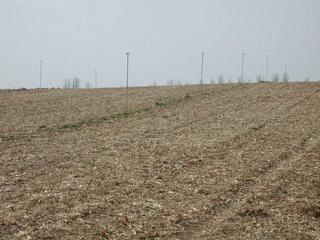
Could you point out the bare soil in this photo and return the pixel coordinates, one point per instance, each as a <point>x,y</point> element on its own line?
<point>217,162</point>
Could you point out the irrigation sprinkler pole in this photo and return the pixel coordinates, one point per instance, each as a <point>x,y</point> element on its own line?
<point>201,77</point>
<point>41,63</point>
<point>285,73</point>
<point>127,80</point>
<point>243,54</point>
<point>267,69</point>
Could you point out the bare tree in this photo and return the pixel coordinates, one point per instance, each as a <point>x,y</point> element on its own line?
<point>88,85</point>
<point>220,79</point>
<point>240,79</point>
<point>285,77</point>
<point>67,84</point>
<point>275,77</point>
<point>75,83</point>
<point>212,81</point>
<point>307,79</point>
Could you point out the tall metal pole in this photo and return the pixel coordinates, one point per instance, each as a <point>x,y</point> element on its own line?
<point>242,79</point>
<point>96,77</point>
<point>41,63</point>
<point>127,80</point>
<point>285,73</point>
<point>285,68</point>
<point>267,69</point>
<point>201,78</point>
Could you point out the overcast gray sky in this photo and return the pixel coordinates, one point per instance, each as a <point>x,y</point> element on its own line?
<point>165,38</point>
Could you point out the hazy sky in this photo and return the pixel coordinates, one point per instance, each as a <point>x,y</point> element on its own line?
<point>165,38</point>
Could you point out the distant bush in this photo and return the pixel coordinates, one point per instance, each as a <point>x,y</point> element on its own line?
<point>22,89</point>
<point>259,78</point>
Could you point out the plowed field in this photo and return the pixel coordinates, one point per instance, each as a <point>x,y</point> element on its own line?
<point>217,162</point>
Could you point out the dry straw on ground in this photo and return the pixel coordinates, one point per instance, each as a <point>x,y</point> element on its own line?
<point>220,162</point>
